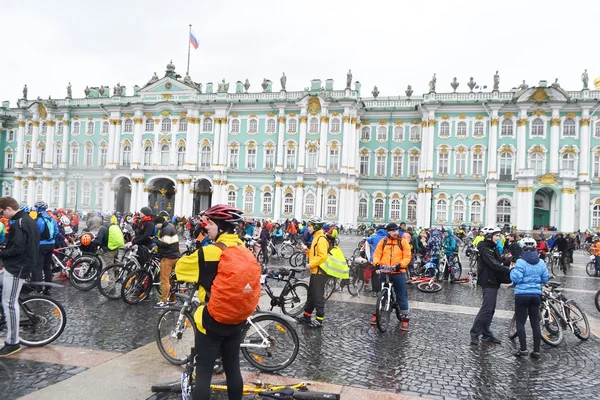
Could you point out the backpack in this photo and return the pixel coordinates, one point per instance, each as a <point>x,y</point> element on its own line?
<point>236,288</point>
<point>48,232</point>
<point>116,240</point>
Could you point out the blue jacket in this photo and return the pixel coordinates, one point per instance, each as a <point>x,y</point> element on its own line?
<point>43,219</point>
<point>528,274</point>
<point>374,241</point>
<point>449,243</point>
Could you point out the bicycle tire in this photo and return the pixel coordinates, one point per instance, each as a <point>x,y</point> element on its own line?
<point>136,287</point>
<point>298,259</point>
<point>84,272</point>
<point>308,395</point>
<point>457,267</point>
<point>282,326</point>
<point>582,332</point>
<point>597,300</point>
<point>121,272</point>
<point>383,309</point>
<point>296,295</point>
<point>356,282</point>
<point>552,331</point>
<point>170,350</point>
<point>590,268</point>
<point>173,387</point>
<point>427,287</point>
<point>57,313</point>
<point>286,251</point>
<point>259,257</point>
<point>512,328</point>
<point>330,285</point>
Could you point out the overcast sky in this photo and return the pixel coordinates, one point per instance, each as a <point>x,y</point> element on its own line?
<point>386,43</point>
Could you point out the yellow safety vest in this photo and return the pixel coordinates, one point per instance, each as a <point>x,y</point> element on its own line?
<point>336,264</point>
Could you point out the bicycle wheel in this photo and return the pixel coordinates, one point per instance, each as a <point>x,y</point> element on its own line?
<point>175,338</point>
<point>298,259</point>
<point>287,250</point>
<point>456,270</point>
<point>269,342</point>
<point>294,298</point>
<point>590,268</point>
<point>84,273</point>
<point>512,328</point>
<point>42,320</point>
<point>581,325</point>
<point>552,331</point>
<point>111,279</point>
<point>259,257</point>
<point>597,300</point>
<point>136,287</point>
<point>383,309</point>
<point>356,283</point>
<point>330,284</point>
<point>428,287</point>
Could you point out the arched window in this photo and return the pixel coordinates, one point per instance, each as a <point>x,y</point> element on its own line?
<point>475,212</point>
<point>72,195</point>
<point>460,162</point>
<point>568,162</point>
<point>397,164</point>
<point>75,128</point>
<point>30,128</point>
<point>334,159</point>
<point>207,125</point>
<point>596,166</point>
<point>503,211</point>
<point>99,196</point>
<point>269,157</point>
<point>459,211</point>
<point>382,133</point>
<point>536,162</point>
<point>44,129</point>
<point>104,127</point>
<point>39,192</point>
<point>164,155</point>
<point>311,160</point>
<point>75,155</point>
<point>413,164</point>
<point>288,204</point>
<point>445,128</point>
<point>252,126</point>
<point>364,163</point>
<point>86,195</point>
<point>149,125</point>
<point>365,133</point>
<point>41,154</point>
<point>24,192</point>
<point>166,125</point>
<point>251,156</point>
<point>90,128</point>
<point>441,209</point>
<point>55,194</point>
<point>249,202</point>
<point>332,205</point>
<point>231,198</point>
<point>380,164</point>
<point>415,133</point>
<point>362,208</point>
<point>597,129</point>
<point>234,156</point>
<point>478,128</point>
<point>398,133</point>
<point>378,209</point>
<point>537,127</point>
<point>314,125</point>
<point>596,216</point>
<point>507,128</point>
<point>128,126</point>
<point>126,161</point>
<point>411,210</point>
<point>57,154</point>
<point>267,203</point>
<point>9,160</point>
<point>235,126</point>
<point>461,129</point>
<point>148,155</point>
<point>271,125</point>
<point>88,155</point>
<point>290,158</point>
<point>395,209</point>
<point>60,128</point>
<point>477,164</point>
<point>309,204</point>
<point>506,161</point>
<point>183,125</point>
<point>569,127</point>
<point>292,125</point>
<point>103,156</point>
<point>180,156</point>
<point>335,125</point>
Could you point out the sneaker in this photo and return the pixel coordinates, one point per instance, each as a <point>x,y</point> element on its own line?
<point>534,354</point>
<point>520,353</point>
<point>474,341</point>
<point>373,320</point>
<point>491,340</point>
<point>46,292</point>
<point>303,319</point>
<point>161,304</point>
<point>404,324</point>
<point>9,349</point>
<point>316,324</point>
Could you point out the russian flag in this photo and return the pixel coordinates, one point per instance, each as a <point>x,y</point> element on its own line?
<point>193,40</point>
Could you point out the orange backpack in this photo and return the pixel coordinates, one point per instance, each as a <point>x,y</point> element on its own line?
<point>236,289</point>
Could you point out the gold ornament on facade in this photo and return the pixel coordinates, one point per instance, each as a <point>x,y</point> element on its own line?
<point>346,118</point>
<point>104,117</point>
<point>478,150</point>
<point>548,179</point>
<point>569,190</point>
<point>42,111</point>
<point>479,117</point>
<point>584,122</point>
<point>165,113</point>
<point>494,122</point>
<point>505,149</point>
<point>539,95</point>
<point>525,189</point>
<point>462,116</point>
<point>335,114</point>
<point>461,150</point>
<point>314,105</point>
<point>325,119</point>
<point>21,123</point>
<point>398,122</point>
<point>148,115</point>
<point>508,115</point>
<point>365,122</point>
<point>288,190</point>
<point>382,122</point>
<point>445,117</point>
<point>299,185</point>
<point>571,115</point>
<point>444,149</point>
<point>127,115</point>
<point>281,120</point>
<point>381,152</point>
<point>292,114</point>
<point>522,122</point>
<point>206,115</point>
<point>415,122</point>
<point>303,119</point>
<point>138,121</point>
<point>157,121</point>
<point>569,150</point>
<point>364,152</point>
<point>424,124</point>
<point>50,123</point>
<point>271,114</point>
<point>431,122</point>
<point>278,184</point>
<point>539,113</point>
<point>555,122</point>
<point>174,121</point>
<point>36,123</point>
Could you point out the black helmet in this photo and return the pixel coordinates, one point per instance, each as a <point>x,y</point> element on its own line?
<point>392,226</point>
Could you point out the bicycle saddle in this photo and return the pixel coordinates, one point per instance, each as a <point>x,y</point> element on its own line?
<point>297,270</point>
<point>553,284</point>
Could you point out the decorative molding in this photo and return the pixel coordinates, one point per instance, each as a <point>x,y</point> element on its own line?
<point>569,190</point>
<point>524,189</point>
<point>584,122</point>
<point>571,115</point>
<point>494,122</point>
<point>522,122</point>
<point>555,122</point>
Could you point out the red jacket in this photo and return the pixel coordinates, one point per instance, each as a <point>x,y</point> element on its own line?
<point>542,248</point>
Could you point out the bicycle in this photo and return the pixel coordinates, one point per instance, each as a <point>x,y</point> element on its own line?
<point>386,299</point>
<point>590,267</point>
<point>42,319</point>
<point>557,263</point>
<point>282,251</point>
<point>298,259</point>
<point>294,294</point>
<point>356,280</point>
<point>264,335</point>
<point>138,284</point>
<point>112,278</point>
<point>84,271</point>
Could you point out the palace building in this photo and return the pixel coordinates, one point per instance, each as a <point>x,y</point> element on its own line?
<point>527,157</point>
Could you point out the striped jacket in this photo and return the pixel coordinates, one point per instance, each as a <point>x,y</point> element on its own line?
<point>168,241</point>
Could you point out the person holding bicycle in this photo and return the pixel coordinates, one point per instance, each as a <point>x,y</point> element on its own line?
<point>563,246</point>
<point>395,251</point>
<point>595,250</point>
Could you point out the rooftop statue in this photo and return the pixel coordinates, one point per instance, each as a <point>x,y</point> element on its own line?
<point>223,87</point>
<point>69,94</point>
<point>454,84</point>
<point>349,79</point>
<point>153,79</point>
<point>283,81</point>
<point>25,92</point>
<point>375,92</point>
<point>264,84</point>
<point>246,85</point>
<point>408,91</point>
<point>585,79</point>
<point>118,90</point>
<point>432,84</point>
<point>496,81</point>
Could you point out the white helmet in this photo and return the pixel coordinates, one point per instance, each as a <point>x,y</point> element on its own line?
<point>64,220</point>
<point>490,230</point>
<point>527,242</point>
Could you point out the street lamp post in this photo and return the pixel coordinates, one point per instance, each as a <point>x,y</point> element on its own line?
<point>324,184</point>
<point>77,177</point>
<point>431,186</point>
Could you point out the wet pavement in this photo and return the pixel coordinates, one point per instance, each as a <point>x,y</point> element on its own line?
<point>432,360</point>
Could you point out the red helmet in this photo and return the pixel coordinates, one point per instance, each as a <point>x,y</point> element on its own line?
<point>203,221</point>
<point>223,212</point>
<point>60,211</point>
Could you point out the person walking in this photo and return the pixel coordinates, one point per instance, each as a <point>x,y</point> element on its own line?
<point>168,249</point>
<point>528,275</point>
<point>490,270</point>
<point>48,228</point>
<point>19,258</point>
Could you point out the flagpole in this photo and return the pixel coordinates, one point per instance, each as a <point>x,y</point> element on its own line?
<point>189,45</point>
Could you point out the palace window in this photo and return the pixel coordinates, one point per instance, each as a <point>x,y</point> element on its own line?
<point>382,134</point>
<point>362,208</point>
<point>55,194</point>
<point>413,165</point>
<point>314,125</point>
<point>41,155</point>
<point>207,125</point>
<point>267,203</point>
<point>148,155</point>
<point>395,209</point>
<point>180,156</point>
<point>477,164</point>
<point>249,202</point>
<point>269,158</point>
<point>443,163</point>
<point>309,204</point>
<point>441,209</point>
<point>475,211</point>
<point>24,192</point>
<point>334,159</point>
<point>271,125</point>
<point>461,129</point>
<point>30,129</point>
<point>166,125</point>
<point>364,164</point>
<point>128,126</point>
<point>596,170</point>
<point>597,130</point>
<point>235,126</point>
<point>332,205</point>
<point>9,160</point>
<point>445,128</point>
<point>183,125</point>
<point>415,133</point>
<point>90,128</point>
<point>39,192</point>
<point>252,126</point>
<point>460,163</point>
<point>536,162</point>
<point>205,157</point>
<point>88,156</point>
<point>503,212</point>
<point>288,203</point>
<point>507,128</point>
<point>596,216</point>
<point>459,211</point>
<point>149,125</point>
<point>72,195</point>
<point>411,210</point>
<point>335,125</point>
<point>290,158</point>
<point>164,154</point>
<point>103,156</point>
<point>311,160</point>
<point>233,157</point>
<point>104,128</point>
<point>27,156</point>
<point>397,165</point>
<point>378,209</point>
<point>99,196</point>
<point>231,198</point>
<point>57,154</point>
<point>86,195</point>
<point>74,155</point>
<point>398,133</point>
<point>126,162</point>
<point>251,157</point>
<point>292,125</point>
<point>568,162</point>
<point>380,162</point>
<point>60,128</point>
<point>569,127</point>
<point>478,129</point>
<point>75,128</point>
<point>506,161</point>
<point>537,127</point>
<point>44,129</point>
<point>365,133</point>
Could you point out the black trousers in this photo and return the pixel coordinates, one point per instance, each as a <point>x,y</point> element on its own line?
<point>265,251</point>
<point>528,305</point>
<point>208,348</point>
<point>316,296</point>
<point>43,270</point>
<point>483,320</point>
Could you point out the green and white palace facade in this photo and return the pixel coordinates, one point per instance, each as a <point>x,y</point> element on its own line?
<point>525,157</point>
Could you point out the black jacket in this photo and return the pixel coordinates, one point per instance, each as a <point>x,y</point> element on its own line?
<point>22,246</point>
<point>489,265</point>
<point>168,241</point>
<point>515,250</point>
<point>562,245</point>
<point>264,235</point>
<point>143,235</point>
<point>102,236</point>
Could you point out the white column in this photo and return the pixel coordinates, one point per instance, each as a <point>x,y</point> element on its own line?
<point>492,146</point>
<point>584,153</point>
<point>521,140</point>
<point>301,144</point>
<point>113,149</point>
<point>346,147</point>
<point>322,165</point>
<point>34,141</point>
<point>47,186</point>
<point>554,140</point>
<point>490,201</point>
<point>157,145</point>
<point>524,205</point>
<point>216,154</point>
<point>20,142</point>
<point>425,134</point>
<point>136,148</point>
<point>299,203</point>
<point>117,144</point>
<point>584,207</point>
<point>567,205</point>
<point>353,153</point>
<point>17,185</point>
<point>191,159</point>
<point>319,200</point>
<point>109,196</point>
<point>179,198</point>
<point>280,152</point>
<point>66,146</point>
<point>278,200</point>
<point>187,204</point>
<point>49,153</point>
<point>142,196</point>
<point>424,150</point>
<point>61,191</point>
<point>31,191</point>
<point>174,145</point>
<point>224,140</point>
<point>133,201</point>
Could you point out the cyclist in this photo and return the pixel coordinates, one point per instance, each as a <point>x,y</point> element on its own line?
<point>373,241</point>
<point>213,337</point>
<point>168,248</point>
<point>103,239</point>
<point>449,246</point>
<point>562,245</point>
<point>48,230</point>
<point>595,250</point>
<point>395,252</point>
<point>317,256</point>
<point>478,238</point>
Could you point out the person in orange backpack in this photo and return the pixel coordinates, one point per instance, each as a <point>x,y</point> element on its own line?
<point>229,290</point>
